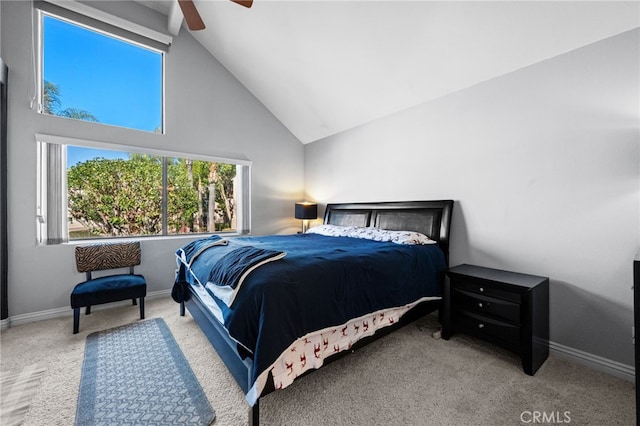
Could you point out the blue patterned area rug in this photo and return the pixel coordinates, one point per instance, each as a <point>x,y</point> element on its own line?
<point>137,374</point>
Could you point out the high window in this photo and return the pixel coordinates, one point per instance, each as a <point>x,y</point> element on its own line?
<point>91,75</point>
<point>100,68</point>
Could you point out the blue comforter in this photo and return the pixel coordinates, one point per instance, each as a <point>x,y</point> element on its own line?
<point>323,281</point>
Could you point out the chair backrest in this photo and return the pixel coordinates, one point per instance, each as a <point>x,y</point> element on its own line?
<point>97,257</point>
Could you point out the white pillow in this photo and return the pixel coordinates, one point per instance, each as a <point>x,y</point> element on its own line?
<point>370,233</point>
<point>398,237</point>
<point>331,230</point>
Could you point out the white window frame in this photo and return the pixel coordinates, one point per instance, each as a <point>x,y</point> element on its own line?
<point>51,207</point>
<point>114,25</point>
<point>111,20</point>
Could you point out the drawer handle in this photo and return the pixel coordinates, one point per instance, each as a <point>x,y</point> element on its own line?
<point>481,289</point>
<point>480,325</point>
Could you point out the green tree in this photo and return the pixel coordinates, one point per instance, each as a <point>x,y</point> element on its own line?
<point>225,197</point>
<point>52,104</point>
<point>190,196</point>
<point>124,197</point>
<point>50,98</point>
<point>218,180</point>
<point>117,197</point>
<point>182,198</point>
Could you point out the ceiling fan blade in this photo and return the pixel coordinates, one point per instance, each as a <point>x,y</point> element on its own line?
<point>191,15</point>
<point>245,3</point>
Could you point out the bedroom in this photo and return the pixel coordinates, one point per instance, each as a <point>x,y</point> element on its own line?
<point>543,163</point>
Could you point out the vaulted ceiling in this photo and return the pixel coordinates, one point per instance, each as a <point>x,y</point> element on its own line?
<point>322,67</point>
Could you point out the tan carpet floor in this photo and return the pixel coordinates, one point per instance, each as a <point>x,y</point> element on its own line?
<point>406,378</point>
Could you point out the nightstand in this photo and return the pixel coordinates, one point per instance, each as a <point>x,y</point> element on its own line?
<point>508,309</point>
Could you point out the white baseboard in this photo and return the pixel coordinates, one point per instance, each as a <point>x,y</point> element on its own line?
<point>67,311</point>
<point>605,365</point>
<point>5,323</point>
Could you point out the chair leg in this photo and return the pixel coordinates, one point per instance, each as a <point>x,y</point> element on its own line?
<point>76,320</point>
<point>87,310</point>
<point>142,308</point>
<point>134,301</point>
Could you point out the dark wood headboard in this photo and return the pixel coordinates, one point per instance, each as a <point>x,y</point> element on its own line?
<point>432,218</point>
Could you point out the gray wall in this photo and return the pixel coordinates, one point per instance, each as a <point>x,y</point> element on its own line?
<point>544,166</point>
<point>207,112</point>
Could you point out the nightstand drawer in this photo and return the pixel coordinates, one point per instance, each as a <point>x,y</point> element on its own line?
<point>485,326</point>
<point>509,309</point>
<point>480,287</point>
<point>484,304</point>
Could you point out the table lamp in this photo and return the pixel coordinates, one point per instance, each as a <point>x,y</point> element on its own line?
<point>306,211</point>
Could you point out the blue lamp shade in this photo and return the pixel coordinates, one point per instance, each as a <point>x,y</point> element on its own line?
<point>306,211</point>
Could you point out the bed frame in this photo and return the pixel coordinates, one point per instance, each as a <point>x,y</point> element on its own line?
<point>432,218</point>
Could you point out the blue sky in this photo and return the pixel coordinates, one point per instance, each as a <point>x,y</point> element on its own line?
<point>118,82</point>
<point>76,154</point>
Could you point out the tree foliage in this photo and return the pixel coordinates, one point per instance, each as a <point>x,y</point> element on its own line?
<point>52,104</point>
<point>191,184</point>
<point>118,197</point>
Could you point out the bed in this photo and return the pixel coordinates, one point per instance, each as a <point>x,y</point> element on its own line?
<point>279,307</point>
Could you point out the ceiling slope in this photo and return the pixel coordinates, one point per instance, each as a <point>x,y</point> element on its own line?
<point>322,67</point>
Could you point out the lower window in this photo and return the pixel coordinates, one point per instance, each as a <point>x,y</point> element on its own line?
<point>90,192</point>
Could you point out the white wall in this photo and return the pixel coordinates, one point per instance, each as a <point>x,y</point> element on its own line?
<point>207,112</point>
<point>544,166</point>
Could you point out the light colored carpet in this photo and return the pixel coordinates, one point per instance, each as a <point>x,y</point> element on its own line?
<point>406,378</point>
<point>17,391</point>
